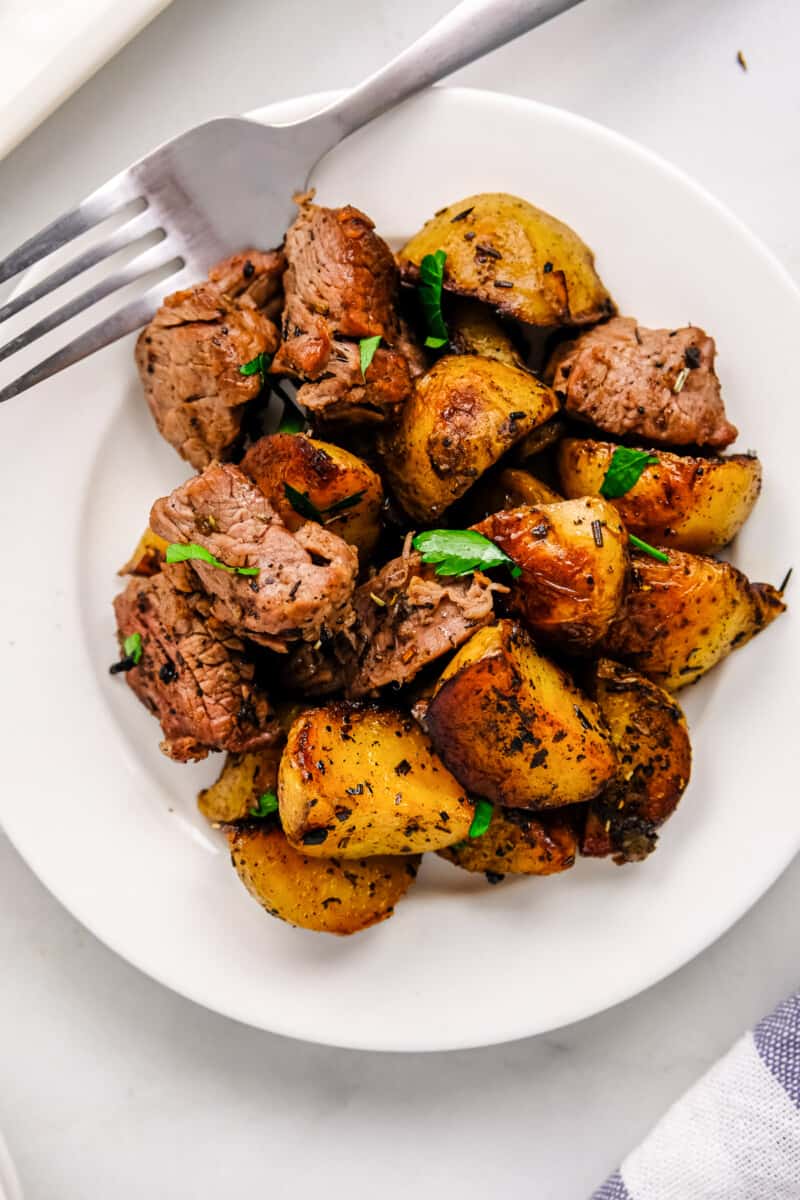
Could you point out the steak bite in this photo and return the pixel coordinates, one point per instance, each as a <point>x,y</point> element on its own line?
<point>341,285</point>
<point>655,384</point>
<point>190,354</point>
<point>305,579</point>
<point>403,619</point>
<point>192,673</point>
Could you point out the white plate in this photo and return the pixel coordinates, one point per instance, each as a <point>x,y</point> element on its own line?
<point>47,50</point>
<point>110,825</point>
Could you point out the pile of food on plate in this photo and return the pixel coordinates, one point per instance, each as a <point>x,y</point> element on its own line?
<point>447,605</point>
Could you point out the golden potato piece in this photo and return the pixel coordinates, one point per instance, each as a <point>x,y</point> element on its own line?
<point>574,561</point>
<point>696,504</point>
<point>328,895</point>
<point>519,259</point>
<point>514,728</point>
<point>519,842</point>
<point>357,780</point>
<point>681,617</point>
<point>148,556</point>
<point>460,419</point>
<point>649,732</point>
<point>474,329</point>
<point>243,780</point>
<point>341,487</point>
<point>509,488</point>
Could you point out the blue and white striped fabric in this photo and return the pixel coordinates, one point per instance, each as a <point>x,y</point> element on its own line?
<point>735,1135</point>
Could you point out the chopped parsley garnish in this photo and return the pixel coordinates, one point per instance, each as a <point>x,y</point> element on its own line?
<point>646,548</point>
<point>132,647</point>
<point>291,421</point>
<point>484,811</point>
<point>460,551</point>
<point>179,552</point>
<point>431,278</point>
<point>624,471</point>
<point>306,507</point>
<point>257,365</point>
<point>366,351</point>
<point>267,804</point>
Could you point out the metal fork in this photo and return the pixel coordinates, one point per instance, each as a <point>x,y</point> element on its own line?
<point>224,186</point>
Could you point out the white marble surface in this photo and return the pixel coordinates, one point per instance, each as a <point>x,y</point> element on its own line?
<point>111,1086</point>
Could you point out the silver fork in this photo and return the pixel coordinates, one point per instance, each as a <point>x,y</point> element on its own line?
<point>224,186</point>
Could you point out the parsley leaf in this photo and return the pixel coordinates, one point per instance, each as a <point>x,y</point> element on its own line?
<point>646,548</point>
<point>257,365</point>
<point>460,551</point>
<point>484,811</point>
<point>302,504</point>
<point>267,804</point>
<point>178,552</point>
<point>624,471</point>
<point>347,502</point>
<point>431,277</point>
<point>291,421</point>
<point>366,350</point>
<point>132,647</point>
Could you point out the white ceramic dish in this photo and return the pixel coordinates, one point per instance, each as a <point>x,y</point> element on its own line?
<point>110,825</point>
<point>48,50</point>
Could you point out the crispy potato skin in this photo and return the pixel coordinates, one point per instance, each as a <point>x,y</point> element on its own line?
<point>148,556</point>
<point>327,474</point>
<point>519,842</point>
<point>695,504</point>
<point>358,780</point>
<point>513,727</point>
<point>460,419</point>
<point>551,270</point>
<point>509,488</point>
<point>474,329</point>
<point>682,617</point>
<point>649,732</point>
<point>243,779</point>
<point>327,895</point>
<point>571,588</point>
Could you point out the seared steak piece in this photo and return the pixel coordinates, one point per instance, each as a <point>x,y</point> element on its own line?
<point>657,384</point>
<point>305,579</point>
<point>190,354</point>
<point>341,285</point>
<point>404,618</point>
<point>192,673</point>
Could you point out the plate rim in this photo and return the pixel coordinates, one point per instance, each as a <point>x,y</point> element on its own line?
<point>577,1012</point>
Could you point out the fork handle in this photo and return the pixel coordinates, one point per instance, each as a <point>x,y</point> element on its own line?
<point>473,28</point>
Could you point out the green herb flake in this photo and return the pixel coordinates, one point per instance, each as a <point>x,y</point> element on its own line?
<point>257,365</point>
<point>291,421</point>
<point>484,811</point>
<point>460,551</point>
<point>366,351</point>
<point>266,806</point>
<point>431,280</point>
<point>345,503</point>
<point>646,548</point>
<point>625,470</point>
<point>179,552</point>
<point>132,647</point>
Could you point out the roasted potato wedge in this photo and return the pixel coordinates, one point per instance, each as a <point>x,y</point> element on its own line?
<point>575,564</point>
<point>519,842</point>
<point>509,488</point>
<point>328,895</point>
<point>519,259</point>
<point>682,617</point>
<point>460,419</point>
<point>696,504</point>
<point>654,754</point>
<point>243,780</point>
<point>513,727</point>
<point>148,556</point>
<point>357,780</point>
<point>474,329</point>
<point>341,487</point>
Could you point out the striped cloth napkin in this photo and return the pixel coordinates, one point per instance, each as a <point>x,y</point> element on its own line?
<point>735,1135</point>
